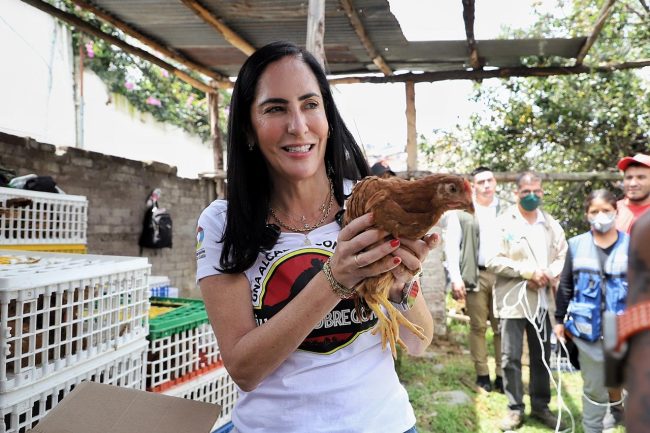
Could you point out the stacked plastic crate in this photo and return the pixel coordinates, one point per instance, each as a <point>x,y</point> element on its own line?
<point>184,359</point>
<point>42,221</point>
<point>65,318</point>
<point>160,286</point>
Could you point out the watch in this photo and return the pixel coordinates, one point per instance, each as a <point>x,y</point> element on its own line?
<point>409,294</point>
<point>617,330</point>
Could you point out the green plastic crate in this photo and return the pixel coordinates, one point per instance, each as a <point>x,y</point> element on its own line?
<point>187,314</point>
<point>182,344</point>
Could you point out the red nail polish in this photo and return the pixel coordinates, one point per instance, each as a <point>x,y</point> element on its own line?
<point>394,243</point>
<point>397,260</point>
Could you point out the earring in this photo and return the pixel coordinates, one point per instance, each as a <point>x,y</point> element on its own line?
<point>251,145</point>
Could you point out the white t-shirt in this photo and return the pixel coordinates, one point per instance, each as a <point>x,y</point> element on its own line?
<point>339,380</point>
<point>488,244</point>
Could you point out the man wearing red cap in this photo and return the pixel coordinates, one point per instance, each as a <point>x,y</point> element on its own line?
<point>636,186</point>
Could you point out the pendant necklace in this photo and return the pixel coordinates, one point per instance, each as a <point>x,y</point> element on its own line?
<point>325,209</point>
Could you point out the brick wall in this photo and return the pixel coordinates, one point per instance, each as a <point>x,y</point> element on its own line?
<point>116,189</point>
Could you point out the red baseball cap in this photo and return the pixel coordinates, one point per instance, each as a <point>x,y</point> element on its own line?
<point>638,158</point>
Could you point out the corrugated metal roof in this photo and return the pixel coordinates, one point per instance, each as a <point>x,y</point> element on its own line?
<point>262,21</point>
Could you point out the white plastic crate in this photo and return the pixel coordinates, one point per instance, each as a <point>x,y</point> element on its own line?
<point>215,387</point>
<point>23,408</point>
<point>66,308</point>
<point>33,217</point>
<point>181,355</point>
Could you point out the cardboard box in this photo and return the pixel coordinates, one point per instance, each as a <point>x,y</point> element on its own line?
<point>97,408</point>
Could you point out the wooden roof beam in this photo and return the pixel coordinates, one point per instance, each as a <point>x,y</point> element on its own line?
<point>90,29</point>
<point>316,30</point>
<point>468,16</point>
<point>482,74</point>
<point>510,176</point>
<point>360,30</point>
<point>228,34</point>
<point>220,79</point>
<point>644,5</point>
<point>600,22</point>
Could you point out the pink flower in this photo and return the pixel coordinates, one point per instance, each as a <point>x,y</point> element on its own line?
<point>164,73</point>
<point>153,101</point>
<point>89,50</point>
<point>189,101</point>
<point>129,85</point>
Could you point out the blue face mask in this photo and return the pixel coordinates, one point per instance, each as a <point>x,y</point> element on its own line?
<point>530,202</point>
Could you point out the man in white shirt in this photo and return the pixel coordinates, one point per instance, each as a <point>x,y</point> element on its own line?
<point>469,241</point>
<point>530,258</point>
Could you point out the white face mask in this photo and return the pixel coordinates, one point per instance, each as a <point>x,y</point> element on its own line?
<point>603,222</point>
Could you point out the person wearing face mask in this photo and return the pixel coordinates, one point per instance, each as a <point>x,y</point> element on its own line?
<point>530,257</point>
<point>594,280</point>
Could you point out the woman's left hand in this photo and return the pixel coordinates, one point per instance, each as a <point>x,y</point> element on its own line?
<point>413,253</point>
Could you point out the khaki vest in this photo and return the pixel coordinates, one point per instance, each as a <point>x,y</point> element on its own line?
<point>469,245</point>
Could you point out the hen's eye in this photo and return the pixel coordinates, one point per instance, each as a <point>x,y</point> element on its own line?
<point>452,188</point>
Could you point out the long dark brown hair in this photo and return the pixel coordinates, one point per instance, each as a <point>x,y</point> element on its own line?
<point>249,185</point>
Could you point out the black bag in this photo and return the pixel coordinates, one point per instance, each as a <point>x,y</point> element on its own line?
<point>42,184</point>
<point>156,228</point>
<point>6,175</point>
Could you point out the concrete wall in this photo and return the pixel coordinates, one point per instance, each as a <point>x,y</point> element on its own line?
<point>434,287</point>
<point>37,99</point>
<point>117,189</point>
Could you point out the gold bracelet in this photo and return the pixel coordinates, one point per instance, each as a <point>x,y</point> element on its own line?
<point>339,289</point>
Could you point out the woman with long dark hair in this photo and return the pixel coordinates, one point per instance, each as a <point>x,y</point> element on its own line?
<point>277,271</point>
<point>594,280</point>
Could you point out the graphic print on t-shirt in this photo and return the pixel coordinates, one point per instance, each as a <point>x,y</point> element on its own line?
<point>286,277</point>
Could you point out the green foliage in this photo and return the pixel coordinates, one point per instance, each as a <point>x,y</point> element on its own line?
<point>448,153</point>
<point>146,86</point>
<point>568,123</point>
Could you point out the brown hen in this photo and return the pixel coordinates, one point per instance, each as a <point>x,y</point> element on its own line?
<point>405,209</point>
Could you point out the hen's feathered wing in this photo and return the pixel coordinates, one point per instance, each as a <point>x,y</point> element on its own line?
<point>405,209</point>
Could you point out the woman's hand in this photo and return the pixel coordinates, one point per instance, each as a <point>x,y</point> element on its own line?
<point>412,254</point>
<point>362,252</point>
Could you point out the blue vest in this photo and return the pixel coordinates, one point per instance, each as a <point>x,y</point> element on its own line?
<point>585,308</point>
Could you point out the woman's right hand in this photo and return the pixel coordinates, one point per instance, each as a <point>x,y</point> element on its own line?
<point>362,252</point>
